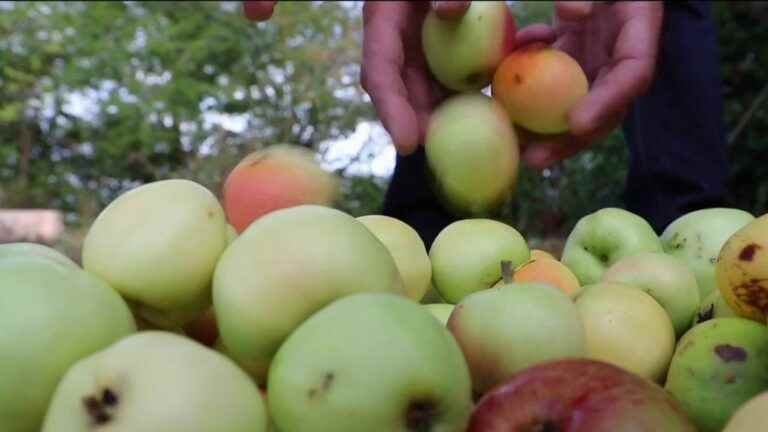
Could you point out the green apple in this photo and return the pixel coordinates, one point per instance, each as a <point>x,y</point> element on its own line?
<point>231,234</point>
<point>407,249</point>
<point>463,53</point>
<point>370,362</point>
<point>156,381</point>
<point>628,328</point>
<point>12,250</point>
<point>441,311</point>
<point>666,278</point>
<point>719,365</point>
<point>751,416</point>
<point>472,155</point>
<point>158,245</point>
<point>284,267</point>
<point>467,256</point>
<point>697,238</point>
<point>600,239</point>
<point>505,330</point>
<point>51,316</point>
<point>714,306</point>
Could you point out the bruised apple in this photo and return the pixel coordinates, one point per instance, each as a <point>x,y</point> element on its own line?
<point>278,176</point>
<point>538,85</point>
<point>578,395</point>
<point>472,154</point>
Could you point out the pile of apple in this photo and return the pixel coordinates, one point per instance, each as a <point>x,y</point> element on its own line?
<point>272,310</point>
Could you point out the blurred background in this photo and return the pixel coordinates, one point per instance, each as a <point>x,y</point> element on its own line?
<point>99,97</point>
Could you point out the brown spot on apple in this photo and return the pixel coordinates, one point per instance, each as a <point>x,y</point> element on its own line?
<point>420,415</point>
<point>729,353</point>
<point>748,253</point>
<point>518,79</point>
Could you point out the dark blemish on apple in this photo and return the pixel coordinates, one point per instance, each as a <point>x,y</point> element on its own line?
<point>713,260</point>
<point>420,415</point>
<point>730,378</point>
<point>108,397</point>
<point>748,253</point>
<point>211,214</point>
<point>96,410</point>
<point>324,386</point>
<point>707,314</point>
<point>731,353</point>
<point>518,79</point>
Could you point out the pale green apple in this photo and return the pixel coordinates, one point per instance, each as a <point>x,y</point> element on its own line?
<point>600,239</point>
<point>158,245</point>
<point>12,250</point>
<point>467,256</point>
<point>714,306</point>
<point>441,311</point>
<point>666,278</point>
<point>472,155</point>
<point>505,330</point>
<point>751,416</point>
<point>51,316</point>
<point>697,238</point>
<point>463,53</point>
<point>370,362</point>
<point>284,267</point>
<point>156,381</point>
<point>407,249</point>
<point>628,328</point>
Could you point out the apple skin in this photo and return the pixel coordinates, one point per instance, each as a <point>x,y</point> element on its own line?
<point>751,416</point>
<point>287,265</point>
<point>578,395</point>
<point>156,381</point>
<point>697,237</point>
<point>12,250</point>
<point>381,356</point>
<point>276,177</point>
<point>497,329</point>
<point>472,154</point>
<point>463,53</point>
<point>714,306</point>
<point>467,256</point>
<point>719,365</point>
<point>158,245</point>
<point>547,270</point>
<point>441,311</point>
<point>600,239</point>
<point>666,278</point>
<point>51,316</point>
<point>407,249</point>
<point>627,327</point>
<point>742,270</point>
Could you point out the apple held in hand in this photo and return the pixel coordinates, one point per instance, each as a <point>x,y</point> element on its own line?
<point>578,395</point>
<point>602,238</point>
<point>276,177</point>
<point>287,265</point>
<point>370,362</point>
<point>504,330</point>
<point>156,381</point>
<point>472,154</point>
<point>538,85</point>
<point>407,249</point>
<point>158,245</point>
<point>467,256</point>
<point>463,53</point>
<point>627,327</point>
<point>666,278</point>
<point>51,316</point>
<point>697,238</point>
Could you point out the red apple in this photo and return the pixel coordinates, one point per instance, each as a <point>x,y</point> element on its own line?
<point>273,178</point>
<point>578,395</point>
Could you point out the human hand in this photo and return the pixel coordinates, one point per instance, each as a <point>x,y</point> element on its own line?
<point>259,10</point>
<point>394,71</point>
<point>616,43</point>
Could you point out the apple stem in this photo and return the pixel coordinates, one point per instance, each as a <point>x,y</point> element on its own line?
<point>506,271</point>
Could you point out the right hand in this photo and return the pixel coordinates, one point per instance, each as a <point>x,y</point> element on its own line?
<point>394,71</point>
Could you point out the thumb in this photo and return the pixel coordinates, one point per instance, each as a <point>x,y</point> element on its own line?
<point>450,9</point>
<point>259,10</point>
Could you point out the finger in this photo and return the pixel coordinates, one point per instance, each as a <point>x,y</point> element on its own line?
<point>572,10</point>
<point>259,10</point>
<point>450,9</point>
<point>381,72</point>
<point>536,33</point>
<point>634,62</point>
<point>422,96</point>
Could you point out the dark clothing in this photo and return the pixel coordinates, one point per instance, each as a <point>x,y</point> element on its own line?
<point>675,134</point>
